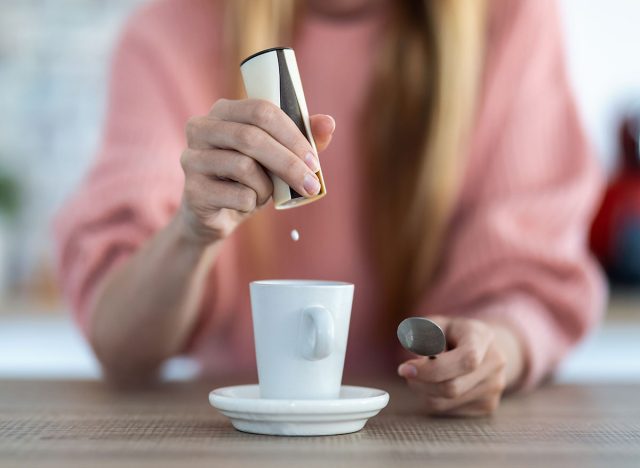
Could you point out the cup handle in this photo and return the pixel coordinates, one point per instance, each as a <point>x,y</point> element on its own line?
<point>317,333</point>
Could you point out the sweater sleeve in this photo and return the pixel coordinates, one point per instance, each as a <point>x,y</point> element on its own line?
<point>135,183</point>
<point>516,251</point>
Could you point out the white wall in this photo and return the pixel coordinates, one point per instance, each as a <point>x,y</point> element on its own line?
<point>54,58</point>
<point>603,40</point>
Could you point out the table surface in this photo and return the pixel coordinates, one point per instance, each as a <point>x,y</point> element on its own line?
<point>58,423</point>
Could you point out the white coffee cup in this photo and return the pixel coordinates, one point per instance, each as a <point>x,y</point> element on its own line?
<point>300,329</point>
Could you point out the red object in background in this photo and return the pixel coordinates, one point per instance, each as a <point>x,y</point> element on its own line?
<point>615,234</point>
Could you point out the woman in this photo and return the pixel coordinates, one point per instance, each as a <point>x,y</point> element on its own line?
<point>460,186</point>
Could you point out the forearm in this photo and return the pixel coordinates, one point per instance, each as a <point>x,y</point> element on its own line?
<point>146,309</point>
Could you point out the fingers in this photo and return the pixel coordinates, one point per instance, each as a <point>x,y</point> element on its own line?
<point>322,127</point>
<point>229,153</point>
<point>467,380</point>
<point>270,118</point>
<point>489,389</point>
<point>470,339</point>
<point>231,165</point>
<point>214,194</point>
<point>459,386</point>
<point>206,133</point>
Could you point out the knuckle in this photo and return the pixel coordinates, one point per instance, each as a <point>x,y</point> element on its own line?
<point>500,384</point>
<point>192,128</point>
<point>267,192</point>
<point>191,189</point>
<point>457,321</point>
<point>247,201</point>
<point>437,405</point>
<point>451,388</point>
<point>185,159</point>
<point>263,198</point>
<point>501,361</point>
<point>471,360</point>
<point>491,405</point>
<point>495,389</point>
<point>218,105</point>
<point>245,165</point>
<point>248,137</point>
<point>263,113</point>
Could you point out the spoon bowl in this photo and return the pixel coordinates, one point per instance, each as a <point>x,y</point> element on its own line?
<point>421,336</point>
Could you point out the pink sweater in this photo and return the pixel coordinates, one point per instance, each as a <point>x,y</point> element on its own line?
<point>515,249</point>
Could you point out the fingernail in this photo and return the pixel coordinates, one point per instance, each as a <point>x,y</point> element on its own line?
<point>407,370</point>
<point>311,184</point>
<point>333,124</point>
<point>312,162</point>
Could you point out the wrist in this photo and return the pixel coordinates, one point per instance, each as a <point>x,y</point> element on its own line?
<point>508,343</point>
<point>189,238</point>
<point>189,231</point>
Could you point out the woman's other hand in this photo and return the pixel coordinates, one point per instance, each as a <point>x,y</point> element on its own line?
<point>468,379</point>
<point>229,153</point>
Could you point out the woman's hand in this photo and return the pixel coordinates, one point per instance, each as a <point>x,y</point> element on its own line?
<point>468,379</point>
<point>230,150</point>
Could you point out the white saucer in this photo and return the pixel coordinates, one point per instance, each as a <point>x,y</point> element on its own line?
<point>249,413</point>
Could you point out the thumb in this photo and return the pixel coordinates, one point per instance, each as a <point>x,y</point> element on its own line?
<point>322,128</point>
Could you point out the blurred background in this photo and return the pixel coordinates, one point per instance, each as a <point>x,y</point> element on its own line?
<point>54,62</point>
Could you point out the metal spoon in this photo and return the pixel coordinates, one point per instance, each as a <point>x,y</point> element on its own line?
<point>421,336</point>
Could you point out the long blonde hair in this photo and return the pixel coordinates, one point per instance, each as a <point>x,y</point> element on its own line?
<point>417,123</point>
